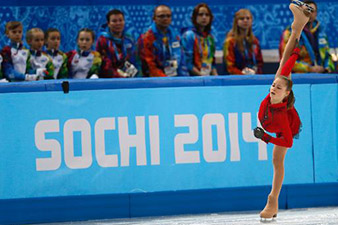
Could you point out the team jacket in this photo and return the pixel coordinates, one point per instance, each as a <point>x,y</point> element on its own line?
<point>154,53</point>
<point>59,59</point>
<point>15,60</point>
<point>114,52</point>
<point>198,48</point>
<point>307,55</point>
<point>82,65</point>
<point>276,118</point>
<point>37,60</point>
<point>236,61</point>
<point>1,73</point>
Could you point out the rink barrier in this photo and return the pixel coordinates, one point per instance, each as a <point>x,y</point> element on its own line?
<point>320,189</point>
<point>94,207</point>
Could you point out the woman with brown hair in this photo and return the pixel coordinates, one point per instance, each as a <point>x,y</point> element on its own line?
<point>199,44</point>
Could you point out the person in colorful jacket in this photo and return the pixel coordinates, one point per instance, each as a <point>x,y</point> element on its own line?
<point>52,40</point>
<point>160,50</point>
<point>84,63</point>
<point>15,55</point>
<point>241,49</point>
<point>314,54</point>
<point>117,48</point>
<point>39,63</point>
<point>199,44</point>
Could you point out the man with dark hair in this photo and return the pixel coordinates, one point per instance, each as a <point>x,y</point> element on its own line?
<point>160,51</point>
<point>116,47</point>
<point>314,56</point>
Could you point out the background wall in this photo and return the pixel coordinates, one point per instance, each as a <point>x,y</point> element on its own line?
<point>270,17</point>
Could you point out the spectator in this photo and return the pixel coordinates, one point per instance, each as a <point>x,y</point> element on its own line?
<point>84,63</point>
<point>117,48</point>
<point>15,55</point>
<point>242,52</point>
<point>52,39</point>
<point>314,55</point>
<point>39,63</point>
<point>199,44</point>
<point>161,53</point>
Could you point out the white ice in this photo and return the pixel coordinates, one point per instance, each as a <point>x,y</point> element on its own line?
<point>306,216</point>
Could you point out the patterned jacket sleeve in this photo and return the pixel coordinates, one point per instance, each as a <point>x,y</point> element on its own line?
<point>95,69</point>
<point>50,69</point>
<point>107,68</point>
<point>7,66</point>
<point>229,57</point>
<point>63,72</point>
<point>149,56</point>
<point>259,57</point>
<point>188,40</point>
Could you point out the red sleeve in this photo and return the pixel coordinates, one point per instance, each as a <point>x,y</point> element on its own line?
<point>286,139</point>
<point>287,67</point>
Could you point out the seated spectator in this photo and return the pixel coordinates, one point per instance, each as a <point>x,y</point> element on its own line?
<point>160,49</point>
<point>84,63</point>
<point>52,40</point>
<point>242,52</point>
<point>314,55</point>
<point>199,44</point>
<point>40,65</point>
<point>117,48</point>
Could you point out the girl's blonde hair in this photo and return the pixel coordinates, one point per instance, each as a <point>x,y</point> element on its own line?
<point>235,31</point>
<point>30,33</point>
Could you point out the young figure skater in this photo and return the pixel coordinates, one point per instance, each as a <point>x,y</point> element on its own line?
<point>276,112</point>
<point>39,63</point>
<point>84,63</point>
<point>52,40</point>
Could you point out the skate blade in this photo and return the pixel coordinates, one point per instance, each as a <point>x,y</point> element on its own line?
<point>269,220</point>
<point>307,10</point>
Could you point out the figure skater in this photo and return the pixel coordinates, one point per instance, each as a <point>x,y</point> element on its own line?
<point>277,113</point>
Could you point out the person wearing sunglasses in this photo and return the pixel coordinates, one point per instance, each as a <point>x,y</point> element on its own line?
<point>242,53</point>
<point>199,44</point>
<point>159,47</point>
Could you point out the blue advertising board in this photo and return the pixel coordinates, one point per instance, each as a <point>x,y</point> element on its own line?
<point>142,140</point>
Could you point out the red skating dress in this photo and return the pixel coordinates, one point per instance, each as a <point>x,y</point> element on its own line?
<point>276,118</point>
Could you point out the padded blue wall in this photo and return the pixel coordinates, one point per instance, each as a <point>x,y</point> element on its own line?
<point>270,17</point>
<point>28,196</point>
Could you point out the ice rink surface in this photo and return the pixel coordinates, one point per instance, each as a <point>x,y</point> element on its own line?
<point>306,216</point>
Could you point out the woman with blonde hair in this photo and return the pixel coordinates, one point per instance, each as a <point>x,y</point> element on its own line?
<point>241,49</point>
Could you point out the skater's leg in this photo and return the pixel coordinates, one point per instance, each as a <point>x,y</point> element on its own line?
<point>278,157</point>
<point>300,18</point>
<point>271,207</point>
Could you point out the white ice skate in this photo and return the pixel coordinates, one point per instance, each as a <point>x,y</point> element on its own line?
<point>307,9</point>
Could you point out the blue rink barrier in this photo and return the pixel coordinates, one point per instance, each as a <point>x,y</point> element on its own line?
<point>113,148</point>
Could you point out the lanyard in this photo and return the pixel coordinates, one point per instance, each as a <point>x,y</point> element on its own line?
<point>247,54</point>
<point>205,46</point>
<point>165,44</point>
